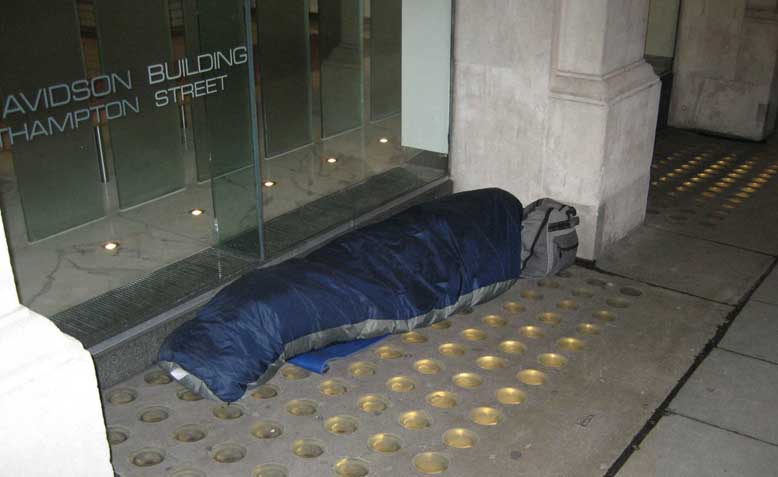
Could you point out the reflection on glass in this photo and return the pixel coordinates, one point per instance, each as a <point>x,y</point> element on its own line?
<point>284,64</point>
<point>56,173</point>
<point>385,57</point>
<point>347,170</point>
<point>195,110</point>
<point>146,147</point>
<point>227,115</point>
<point>222,29</point>
<point>235,205</point>
<point>340,53</point>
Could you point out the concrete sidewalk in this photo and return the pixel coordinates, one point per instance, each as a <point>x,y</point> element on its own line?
<point>659,360</point>
<point>711,232</point>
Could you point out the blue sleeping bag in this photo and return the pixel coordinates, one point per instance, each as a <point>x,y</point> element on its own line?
<point>409,271</point>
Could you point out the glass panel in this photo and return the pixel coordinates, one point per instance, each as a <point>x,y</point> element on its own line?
<point>284,61</point>
<point>350,170</point>
<point>235,205</point>
<point>197,114</point>
<point>221,29</point>
<point>146,147</point>
<point>234,185</point>
<point>661,30</point>
<point>426,64</point>
<point>341,59</point>
<point>385,57</point>
<point>49,158</point>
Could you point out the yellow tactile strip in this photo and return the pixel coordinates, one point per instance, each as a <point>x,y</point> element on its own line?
<point>699,181</point>
<point>418,403</point>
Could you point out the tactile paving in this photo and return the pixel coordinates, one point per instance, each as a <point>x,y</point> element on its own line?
<point>707,187</point>
<point>433,401</point>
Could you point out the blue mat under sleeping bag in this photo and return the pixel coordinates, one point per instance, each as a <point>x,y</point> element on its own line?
<point>414,269</point>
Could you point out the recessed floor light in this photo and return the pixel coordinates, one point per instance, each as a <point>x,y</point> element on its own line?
<point>332,160</point>
<point>269,183</point>
<point>111,246</point>
<point>383,140</point>
<point>197,212</point>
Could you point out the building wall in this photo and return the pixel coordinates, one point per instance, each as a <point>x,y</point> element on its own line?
<point>725,80</point>
<point>554,99</point>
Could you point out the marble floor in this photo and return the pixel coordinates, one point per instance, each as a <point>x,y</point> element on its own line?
<point>64,270</point>
<point>305,175</point>
<point>60,272</point>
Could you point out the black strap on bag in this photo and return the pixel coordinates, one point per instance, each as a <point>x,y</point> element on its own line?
<point>541,230</point>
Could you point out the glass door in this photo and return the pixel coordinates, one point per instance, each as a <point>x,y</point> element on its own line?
<point>146,147</point>
<point>52,180</point>
<point>125,126</point>
<point>224,125</point>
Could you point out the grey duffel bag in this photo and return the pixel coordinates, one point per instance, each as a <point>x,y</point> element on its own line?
<point>549,242</point>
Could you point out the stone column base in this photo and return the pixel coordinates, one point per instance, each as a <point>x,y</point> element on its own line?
<point>51,418</point>
<point>600,141</point>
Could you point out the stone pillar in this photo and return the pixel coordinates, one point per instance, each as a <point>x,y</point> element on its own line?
<point>602,118</point>
<point>51,418</point>
<point>554,99</point>
<point>725,78</point>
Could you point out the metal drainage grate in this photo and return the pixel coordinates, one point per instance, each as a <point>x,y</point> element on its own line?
<point>121,309</point>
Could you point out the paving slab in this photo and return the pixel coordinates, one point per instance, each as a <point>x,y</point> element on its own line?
<point>768,290</point>
<point>734,392</point>
<point>681,447</point>
<point>754,332</point>
<point>625,346</point>
<point>700,267</point>
<point>750,230</point>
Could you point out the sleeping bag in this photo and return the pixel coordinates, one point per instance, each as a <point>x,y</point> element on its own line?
<point>411,270</point>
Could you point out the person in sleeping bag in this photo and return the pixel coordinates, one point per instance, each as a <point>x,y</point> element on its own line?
<point>409,271</point>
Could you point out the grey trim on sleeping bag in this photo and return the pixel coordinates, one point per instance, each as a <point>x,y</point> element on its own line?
<point>361,330</point>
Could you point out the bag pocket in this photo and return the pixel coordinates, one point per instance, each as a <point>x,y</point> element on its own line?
<point>565,248</point>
